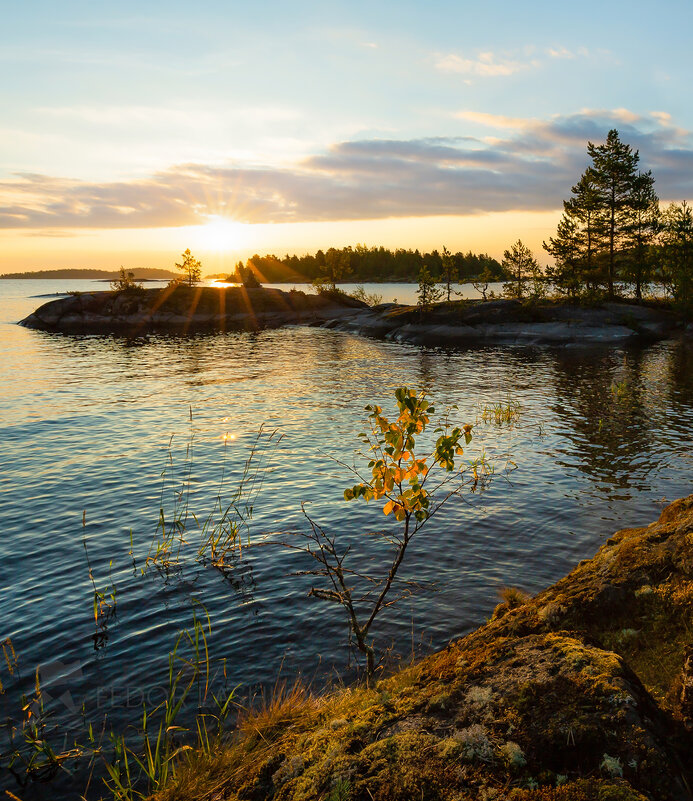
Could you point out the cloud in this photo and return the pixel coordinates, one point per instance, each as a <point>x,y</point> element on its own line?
<point>583,52</point>
<point>494,120</point>
<point>491,65</point>
<point>560,52</point>
<point>484,65</point>
<point>531,166</point>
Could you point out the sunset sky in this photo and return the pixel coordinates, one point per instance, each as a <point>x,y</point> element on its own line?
<point>131,131</point>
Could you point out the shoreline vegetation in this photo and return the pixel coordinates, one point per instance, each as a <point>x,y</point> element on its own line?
<point>583,692</point>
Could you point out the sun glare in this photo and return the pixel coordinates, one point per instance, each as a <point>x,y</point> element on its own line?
<point>221,233</point>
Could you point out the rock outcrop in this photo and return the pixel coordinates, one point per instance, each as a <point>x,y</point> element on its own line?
<point>509,322</point>
<point>582,693</point>
<point>183,310</point>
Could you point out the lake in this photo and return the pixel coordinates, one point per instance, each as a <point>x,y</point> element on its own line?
<point>89,425</point>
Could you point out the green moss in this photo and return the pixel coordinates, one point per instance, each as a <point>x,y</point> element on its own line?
<point>515,705</point>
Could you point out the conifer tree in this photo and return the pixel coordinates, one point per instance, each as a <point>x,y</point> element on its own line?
<point>521,264</point>
<point>614,166</point>
<point>190,268</point>
<point>677,252</point>
<point>448,271</point>
<point>566,248</point>
<point>585,208</point>
<point>641,231</point>
<point>428,291</point>
<point>609,224</point>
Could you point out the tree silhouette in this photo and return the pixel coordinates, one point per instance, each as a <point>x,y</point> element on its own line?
<point>609,224</point>
<point>641,232</point>
<point>677,252</point>
<point>614,171</point>
<point>448,273</point>
<point>521,264</point>
<point>428,291</point>
<point>190,267</point>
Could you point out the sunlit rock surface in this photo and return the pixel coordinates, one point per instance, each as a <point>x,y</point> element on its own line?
<point>579,694</point>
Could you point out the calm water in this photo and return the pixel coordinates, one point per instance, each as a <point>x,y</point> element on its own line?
<point>86,425</point>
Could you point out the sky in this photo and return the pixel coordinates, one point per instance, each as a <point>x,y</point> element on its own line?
<point>131,131</point>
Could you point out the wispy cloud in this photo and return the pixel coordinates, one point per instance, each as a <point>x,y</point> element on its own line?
<point>560,52</point>
<point>485,65</point>
<point>578,52</point>
<point>531,166</point>
<point>494,120</point>
<point>493,65</point>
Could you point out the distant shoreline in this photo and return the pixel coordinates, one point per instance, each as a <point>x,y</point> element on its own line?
<point>106,277</point>
<point>145,274</point>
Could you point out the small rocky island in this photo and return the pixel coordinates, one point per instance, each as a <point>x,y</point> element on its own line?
<point>180,309</point>
<point>582,693</point>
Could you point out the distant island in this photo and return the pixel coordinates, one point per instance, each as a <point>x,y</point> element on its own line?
<point>142,274</point>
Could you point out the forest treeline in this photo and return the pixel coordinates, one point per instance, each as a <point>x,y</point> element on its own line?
<point>365,264</point>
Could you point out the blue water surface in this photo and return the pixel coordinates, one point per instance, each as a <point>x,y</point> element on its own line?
<point>98,433</point>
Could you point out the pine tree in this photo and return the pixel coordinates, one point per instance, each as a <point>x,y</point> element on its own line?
<point>190,267</point>
<point>610,222</point>
<point>640,232</point>
<point>585,207</point>
<point>614,166</point>
<point>521,264</point>
<point>428,291</point>
<point>567,250</point>
<point>677,252</point>
<point>448,271</point>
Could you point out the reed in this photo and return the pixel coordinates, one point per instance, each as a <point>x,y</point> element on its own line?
<point>218,534</point>
<point>619,390</point>
<point>104,603</point>
<point>500,413</point>
<point>138,770</point>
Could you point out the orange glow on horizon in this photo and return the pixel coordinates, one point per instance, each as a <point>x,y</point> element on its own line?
<point>222,242</point>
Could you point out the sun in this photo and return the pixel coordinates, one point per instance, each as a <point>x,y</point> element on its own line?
<point>221,233</point>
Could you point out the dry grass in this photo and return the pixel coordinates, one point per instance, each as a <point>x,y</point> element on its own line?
<point>285,706</point>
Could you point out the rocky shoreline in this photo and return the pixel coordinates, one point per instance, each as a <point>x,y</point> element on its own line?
<point>510,322</point>
<point>183,310</point>
<point>582,693</point>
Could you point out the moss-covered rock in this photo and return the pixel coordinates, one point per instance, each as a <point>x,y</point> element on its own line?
<point>582,692</point>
